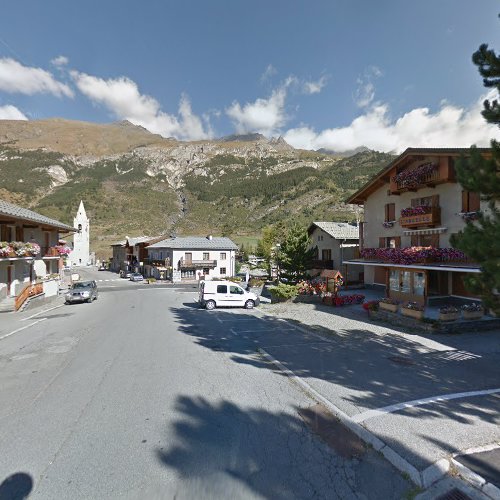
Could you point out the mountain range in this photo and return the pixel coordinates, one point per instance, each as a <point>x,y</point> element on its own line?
<point>134,182</point>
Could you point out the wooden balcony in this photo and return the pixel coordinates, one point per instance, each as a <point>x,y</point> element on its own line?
<point>197,264</point>
<point>431,218</point>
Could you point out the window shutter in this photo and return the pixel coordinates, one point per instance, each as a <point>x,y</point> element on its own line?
<point>386,214</point>
<point>414,240</point>
<point>465,201</point>
<point>392,211</point>
<point>4,233</point>
<point>435,200</point>
<point>398,241</point>
<point>19,233</point>
<point>434,240</point>
<point>381,242</point>
<point>474,202</point>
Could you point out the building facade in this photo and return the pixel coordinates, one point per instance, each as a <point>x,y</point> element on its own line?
<point>29,248</point>
<point>412,207</point>
<point>335,244</point>
<point>193,257</point>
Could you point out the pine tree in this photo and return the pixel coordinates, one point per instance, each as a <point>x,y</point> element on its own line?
<point>295,253</point>
<point>480,239</point>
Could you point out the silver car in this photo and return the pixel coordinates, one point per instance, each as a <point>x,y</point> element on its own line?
<point>82,291</point>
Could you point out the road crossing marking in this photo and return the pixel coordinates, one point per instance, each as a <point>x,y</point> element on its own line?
<point>378,412</point>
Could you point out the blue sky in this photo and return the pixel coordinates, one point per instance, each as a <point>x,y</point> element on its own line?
<point>337,74</point>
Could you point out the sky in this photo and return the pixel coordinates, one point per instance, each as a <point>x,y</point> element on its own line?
<point>333,74</point>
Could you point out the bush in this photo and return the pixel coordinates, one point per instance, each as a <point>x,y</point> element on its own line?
<point>151,280</point>
<point>284,291</point>
<point>254,282</point>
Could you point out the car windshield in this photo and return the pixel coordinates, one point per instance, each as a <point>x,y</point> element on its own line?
<point>82,284</point>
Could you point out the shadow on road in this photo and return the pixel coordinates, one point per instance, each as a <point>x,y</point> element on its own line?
<point>16,487</point>
<point>222,450</point>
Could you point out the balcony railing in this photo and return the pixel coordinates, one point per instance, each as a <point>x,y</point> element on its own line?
<point>321,264</point>
<point>431,218</point>
<point>193,264</point>
<point>50,252</point>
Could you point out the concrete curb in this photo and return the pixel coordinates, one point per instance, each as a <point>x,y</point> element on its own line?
<point>489,489</point>
<point>422,479</point>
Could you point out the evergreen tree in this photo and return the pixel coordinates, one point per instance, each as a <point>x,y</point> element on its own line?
<point>295,253</point>
<point>480,239</point>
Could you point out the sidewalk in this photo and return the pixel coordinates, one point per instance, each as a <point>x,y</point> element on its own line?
<point>422,399</point>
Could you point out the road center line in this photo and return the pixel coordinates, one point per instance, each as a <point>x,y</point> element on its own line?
<point>361,417</point>
<point>22,328</point>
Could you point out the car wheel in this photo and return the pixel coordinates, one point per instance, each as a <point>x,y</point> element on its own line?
<point>89,300</point>
<point>210,305</point>
<point>249,304</point>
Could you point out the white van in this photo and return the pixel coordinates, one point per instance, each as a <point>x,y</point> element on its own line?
<point>214,294</point>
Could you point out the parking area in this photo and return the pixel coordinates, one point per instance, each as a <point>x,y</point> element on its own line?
<point>427,398</point>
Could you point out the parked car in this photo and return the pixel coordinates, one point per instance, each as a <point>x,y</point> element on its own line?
<point>102,268</point>
<point>125,274</point>
<point>214,294</point>
<point>82,291</point>
<point>136,277</point>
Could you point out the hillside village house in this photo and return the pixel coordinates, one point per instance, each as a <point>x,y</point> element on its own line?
<point>29,248</point>
<point>412,207</point>
<point>131,252</point>
<point>194,257</point>
<point>335,243</point>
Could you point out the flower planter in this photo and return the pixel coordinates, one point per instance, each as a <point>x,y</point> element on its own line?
<point>388,307</point>
<point>452,316</point>
<point>411,313</point>
<point>472,314</point>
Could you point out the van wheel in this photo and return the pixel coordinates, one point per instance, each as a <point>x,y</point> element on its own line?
<point>210,305</point>
<point>249,304</point>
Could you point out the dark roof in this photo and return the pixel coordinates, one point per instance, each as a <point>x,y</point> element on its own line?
<point>196,243</point>
<point>378,178</point>
<point>11,210</point>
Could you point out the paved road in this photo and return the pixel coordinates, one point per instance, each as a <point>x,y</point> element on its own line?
<point>143,395</point>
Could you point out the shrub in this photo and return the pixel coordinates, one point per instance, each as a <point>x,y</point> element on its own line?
<point>284,291</point>
<point>472,307</point>
<point>371,305</point>
<point>254,282</point>
<point>414,306</point>
<point>448,309</point>
<point>151,280</point>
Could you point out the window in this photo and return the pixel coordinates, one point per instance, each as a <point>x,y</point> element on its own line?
<point>222,256</point>
<point>405,281</point>
<point>236,290</point>
<point>326,254</point>
<point>394,280</point>
<point>426,201</point>
<point>390,242</point>
<point>188,256</point>
<point>418,283</point>
<point>470,202</point>
<point>390,212</point>
<point>206,256</point>
<point>206,271</point>
<point>223,271</point>
<point>221,288</point>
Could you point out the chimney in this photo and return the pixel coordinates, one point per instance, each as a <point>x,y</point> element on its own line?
<point>209,237</point>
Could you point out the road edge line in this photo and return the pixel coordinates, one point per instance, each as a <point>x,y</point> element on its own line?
<point>41,312</point>
<point>368,437</point>
<point>22,328</point>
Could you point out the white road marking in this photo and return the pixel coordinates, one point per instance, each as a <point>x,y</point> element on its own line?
<point>42,312</point>
<point>361,417</point>
<point>156,288</point>
<point>22,328</point>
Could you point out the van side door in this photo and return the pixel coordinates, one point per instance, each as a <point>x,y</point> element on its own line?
<point>237,296</point>
<point>222,296</point>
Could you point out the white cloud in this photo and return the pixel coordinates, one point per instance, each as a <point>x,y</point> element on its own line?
<point>9,112</point>
<point>265,116</point>
<point>269,72</point>
<point>60,61</point>
<point>449,126</point>
<point>121,96</point>
<point>16,78</point>
<point>315,87</point>
<point>365,92</point>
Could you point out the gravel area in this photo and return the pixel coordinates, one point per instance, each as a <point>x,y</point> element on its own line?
<point>340,320</point>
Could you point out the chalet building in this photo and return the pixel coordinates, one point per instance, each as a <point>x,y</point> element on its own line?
<point>131,254</point>
<point>191,256</point>
<point>412,207</point>
<point>334,244</point>
<point>30,248</point>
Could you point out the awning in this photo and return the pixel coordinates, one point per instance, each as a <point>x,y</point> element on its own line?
<point>430,230</point>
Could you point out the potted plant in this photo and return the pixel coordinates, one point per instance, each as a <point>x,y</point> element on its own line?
<point>448,313</point>
<point>413,310</point>
<point>388,304</point>
<point>472,311</point>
